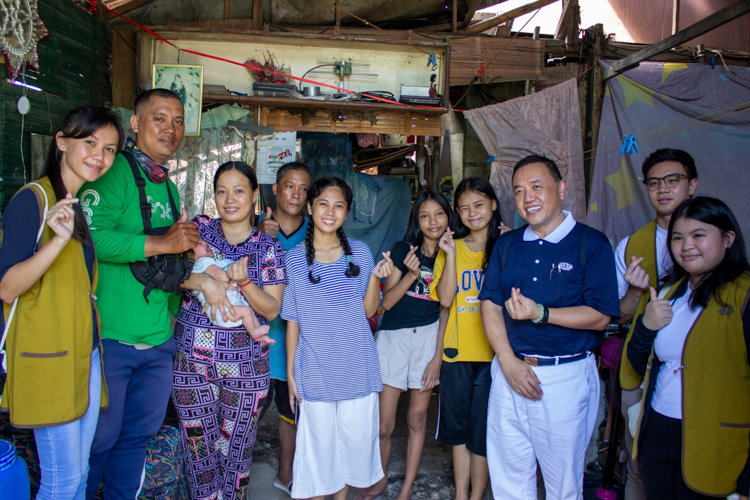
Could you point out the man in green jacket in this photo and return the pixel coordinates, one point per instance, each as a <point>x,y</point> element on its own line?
<point>137,340</point>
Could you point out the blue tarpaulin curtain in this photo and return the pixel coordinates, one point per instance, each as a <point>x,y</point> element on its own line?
<point>381,204</point>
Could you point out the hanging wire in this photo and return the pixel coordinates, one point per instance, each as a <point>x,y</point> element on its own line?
<point>484,66</point>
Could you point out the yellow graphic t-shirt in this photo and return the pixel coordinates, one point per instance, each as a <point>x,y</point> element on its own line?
<point>464,335</point>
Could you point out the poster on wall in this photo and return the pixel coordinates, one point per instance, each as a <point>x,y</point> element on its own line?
<point>273,152</point>
<point>187,82</point>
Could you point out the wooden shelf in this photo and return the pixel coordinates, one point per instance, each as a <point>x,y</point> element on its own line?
<point>289,102</point>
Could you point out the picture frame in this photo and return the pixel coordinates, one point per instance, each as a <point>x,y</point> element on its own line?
<point>185,80</point>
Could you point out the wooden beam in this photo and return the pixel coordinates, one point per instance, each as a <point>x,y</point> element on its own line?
<point>568,17</point>
<point>454,22</point>
<point>705,25</point>
<point>125,6</point>
<point>473,4</point>
<point>226,9</point>
<point>512,14</point>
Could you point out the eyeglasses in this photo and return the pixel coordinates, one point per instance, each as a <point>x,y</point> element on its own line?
<point>671,180</point>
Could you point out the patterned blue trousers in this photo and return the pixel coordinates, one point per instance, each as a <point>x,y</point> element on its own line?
<point>220,380</point>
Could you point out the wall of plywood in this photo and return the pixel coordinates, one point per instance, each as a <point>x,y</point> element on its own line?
<point>394,64</point>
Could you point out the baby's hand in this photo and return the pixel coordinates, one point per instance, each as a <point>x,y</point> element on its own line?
<point>217,273</point>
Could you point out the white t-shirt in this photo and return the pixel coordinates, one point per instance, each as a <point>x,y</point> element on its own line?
<point>668,347</point>
<point>663,261</point>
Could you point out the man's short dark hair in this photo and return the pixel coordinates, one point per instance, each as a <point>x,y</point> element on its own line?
<point>667,154</point>
<point>295,165</point>
<point>144,98</point>
<point>551,166</point>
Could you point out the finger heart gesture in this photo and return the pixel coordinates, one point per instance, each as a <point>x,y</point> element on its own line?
<point>520,307</point>
<point>238,271</point>
<point>635,276</point>
<point>61,218</point>
<point>446,242</point>
<point>411,262</point>
<point>384,268</point>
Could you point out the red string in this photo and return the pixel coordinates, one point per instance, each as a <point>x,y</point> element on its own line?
<point>250,66</point>
<point>481,70</point>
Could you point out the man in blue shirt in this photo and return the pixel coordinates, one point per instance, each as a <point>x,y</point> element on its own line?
<point>549,291</point>
<point>289,225</point>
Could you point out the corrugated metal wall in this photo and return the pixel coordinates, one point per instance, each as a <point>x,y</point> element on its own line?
<point>74,70</point>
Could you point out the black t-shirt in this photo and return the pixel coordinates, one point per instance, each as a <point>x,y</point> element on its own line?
<point>20,228</point>
<point>415,308</point>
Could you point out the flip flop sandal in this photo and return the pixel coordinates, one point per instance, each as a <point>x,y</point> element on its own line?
<point>286,489</point>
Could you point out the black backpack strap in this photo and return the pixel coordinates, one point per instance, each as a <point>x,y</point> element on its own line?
<point>140,183</point>
<point>176,212</point>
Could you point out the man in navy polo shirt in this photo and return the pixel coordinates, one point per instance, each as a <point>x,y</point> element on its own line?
<point>549,291</point>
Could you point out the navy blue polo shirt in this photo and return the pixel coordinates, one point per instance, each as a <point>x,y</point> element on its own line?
<point>572,266</point>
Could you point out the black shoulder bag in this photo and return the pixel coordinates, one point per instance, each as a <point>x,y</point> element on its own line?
<point>160,272</point>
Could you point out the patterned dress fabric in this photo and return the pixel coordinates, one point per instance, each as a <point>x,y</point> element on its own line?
<point>221,376</point>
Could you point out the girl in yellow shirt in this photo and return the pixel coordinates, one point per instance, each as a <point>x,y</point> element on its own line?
<point>465,372</point>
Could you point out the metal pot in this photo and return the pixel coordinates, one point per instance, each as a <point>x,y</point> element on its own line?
<point>311,91</point>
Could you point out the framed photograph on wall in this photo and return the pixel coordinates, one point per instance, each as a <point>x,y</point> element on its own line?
<point>187,82</point>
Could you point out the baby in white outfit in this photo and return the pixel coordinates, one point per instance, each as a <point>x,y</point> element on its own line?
<point>206,263</point>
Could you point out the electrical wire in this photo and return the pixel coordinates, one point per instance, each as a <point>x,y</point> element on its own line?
<point>485,65</point>
<point>313,69</point>
<point>388,33</point>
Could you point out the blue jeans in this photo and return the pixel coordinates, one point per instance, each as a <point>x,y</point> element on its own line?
<point>139,384</point>
<point>64,449</point>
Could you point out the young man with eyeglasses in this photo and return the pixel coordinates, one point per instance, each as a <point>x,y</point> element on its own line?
<point>641,258</point>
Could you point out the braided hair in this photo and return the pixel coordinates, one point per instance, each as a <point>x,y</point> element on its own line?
<point>313,193</point>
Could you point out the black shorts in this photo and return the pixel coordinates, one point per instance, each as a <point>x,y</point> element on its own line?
<point>464,396</point>
<point>278,392</point>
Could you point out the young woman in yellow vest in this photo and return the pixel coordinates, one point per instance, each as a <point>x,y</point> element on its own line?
<point>48,283</point>
<point>692,344</point>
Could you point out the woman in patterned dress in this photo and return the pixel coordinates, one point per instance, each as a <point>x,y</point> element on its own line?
<point>221,374</point>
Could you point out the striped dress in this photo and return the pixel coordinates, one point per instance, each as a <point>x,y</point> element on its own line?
<point>336,357</point>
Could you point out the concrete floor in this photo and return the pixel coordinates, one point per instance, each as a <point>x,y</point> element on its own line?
<point>434,479</point>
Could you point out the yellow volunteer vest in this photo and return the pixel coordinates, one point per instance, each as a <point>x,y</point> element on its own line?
<point>642,243</point>
<point>49,342</point>
<point>715,394</point>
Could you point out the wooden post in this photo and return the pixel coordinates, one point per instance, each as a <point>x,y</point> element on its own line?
<point>455,16</point>
<point>705,25</point>
<point>675,16</point>
<point>337,28</point>
<point>527,87</point>
<point>257,15</point>
<point>226,9</point>
<point>595,96</point>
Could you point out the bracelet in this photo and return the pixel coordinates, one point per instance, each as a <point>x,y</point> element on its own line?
<point>545,319</point>
<point>241,286</point>
<point>541,315</point>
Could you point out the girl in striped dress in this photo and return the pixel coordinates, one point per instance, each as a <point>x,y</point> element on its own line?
<point>333,368</point>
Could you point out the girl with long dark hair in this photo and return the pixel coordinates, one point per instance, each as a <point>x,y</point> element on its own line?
<point>692,344</point>
<point>409,343</point>
<point>332,362</point>
<point>465,373</point>
<point>48,275</point>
